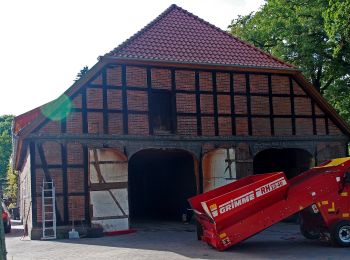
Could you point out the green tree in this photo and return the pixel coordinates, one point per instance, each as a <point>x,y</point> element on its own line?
<point>300,32</point>
<point>6,124</point>
<point>12,185</point>
<point>5,153</point>
<point>5,143</point>
<point>337,25</point>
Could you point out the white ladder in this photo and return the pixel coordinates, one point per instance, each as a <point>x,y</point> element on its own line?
<point>48,210</point>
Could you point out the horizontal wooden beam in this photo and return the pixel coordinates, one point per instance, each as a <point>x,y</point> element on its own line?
<point>108,186</point>
<point>201,139</point>
<point>108,162</point>
<point>109,217</point>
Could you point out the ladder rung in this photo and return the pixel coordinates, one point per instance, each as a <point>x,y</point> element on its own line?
<point>48,210</point>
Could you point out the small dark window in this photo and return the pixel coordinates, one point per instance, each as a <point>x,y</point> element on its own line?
<point>161,112</point>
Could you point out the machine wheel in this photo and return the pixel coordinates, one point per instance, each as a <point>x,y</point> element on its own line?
<point>340,233</point>
<point>309,233</point>
<point>199,229</point>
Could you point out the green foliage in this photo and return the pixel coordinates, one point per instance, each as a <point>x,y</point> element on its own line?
<point>308,34</point>
<point>5,143</point>
<point>81,73</point>
<point>337,24</point>
<point>338,94</point>
<point>6,124</point>
<point>12,185</point>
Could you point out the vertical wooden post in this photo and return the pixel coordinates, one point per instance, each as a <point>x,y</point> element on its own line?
<point>198,105</point>
<point>233,113</point>
<point>215,102</point>
<point>249,107</point>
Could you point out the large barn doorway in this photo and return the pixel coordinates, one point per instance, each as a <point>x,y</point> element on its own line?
<point>160,182</point>
<point>292,161</point>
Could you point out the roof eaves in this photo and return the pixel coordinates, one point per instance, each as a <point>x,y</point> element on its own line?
<point>116,58</point>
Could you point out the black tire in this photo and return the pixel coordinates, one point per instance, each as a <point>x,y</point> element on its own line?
<point>7,229</point>
<point>309,233</point>
<point>340,233</point>
<point>199,230</point>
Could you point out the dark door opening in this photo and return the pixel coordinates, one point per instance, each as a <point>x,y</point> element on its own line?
<point>160,182</point>
<point>161,111</point>
<point>292,161</point>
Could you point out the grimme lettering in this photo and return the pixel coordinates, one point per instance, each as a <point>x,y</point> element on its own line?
<point>237,202</point>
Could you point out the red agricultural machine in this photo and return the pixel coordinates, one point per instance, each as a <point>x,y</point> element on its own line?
<point>234,212</point>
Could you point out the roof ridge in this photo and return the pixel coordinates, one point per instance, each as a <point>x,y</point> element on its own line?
<point>174,6</point>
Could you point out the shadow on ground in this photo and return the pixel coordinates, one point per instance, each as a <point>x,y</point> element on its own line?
<point>176,240</point>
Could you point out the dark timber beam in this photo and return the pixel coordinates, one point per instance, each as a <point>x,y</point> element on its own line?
<point>314,124</point>
<point>86,183</point>
<point>292,107</point>
<point>105,101</point>
<point>215,102</point>
<point>233,113</point>
<point>125,101</point>
<point>33,183</point>
<point>149,96</point>
<point>272,123</point>
<point>65,183</point>
<point>249,107</point>
<point>119,139</point>
<point>173,102</point>
<point>198,105</point>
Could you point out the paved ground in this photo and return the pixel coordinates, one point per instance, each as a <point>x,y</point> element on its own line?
<point>173,241</point>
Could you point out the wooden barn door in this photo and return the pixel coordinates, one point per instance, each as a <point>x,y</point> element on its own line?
<point>108,182</point>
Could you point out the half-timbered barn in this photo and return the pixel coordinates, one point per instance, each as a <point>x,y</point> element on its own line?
<point>178,109</point>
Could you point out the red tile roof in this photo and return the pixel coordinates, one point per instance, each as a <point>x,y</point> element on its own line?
<point>24,119</point>
<point>179,36</point>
